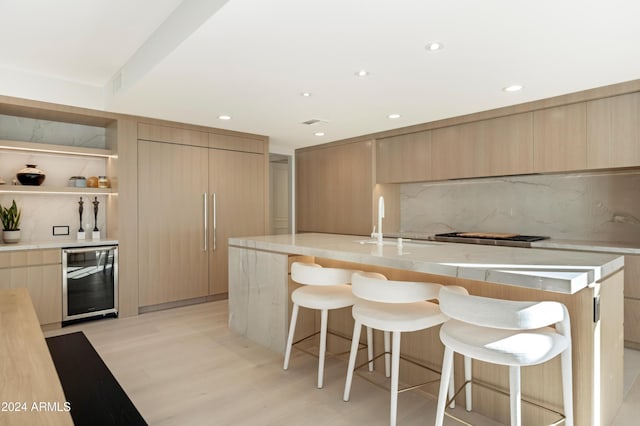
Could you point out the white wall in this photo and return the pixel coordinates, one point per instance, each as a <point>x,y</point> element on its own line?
<point>22,84</point>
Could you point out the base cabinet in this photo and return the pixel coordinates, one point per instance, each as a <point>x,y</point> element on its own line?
<point>40,272</point>
<point>632,301</point>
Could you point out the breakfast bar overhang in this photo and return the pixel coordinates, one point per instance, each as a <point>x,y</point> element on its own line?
<point>589,284</point>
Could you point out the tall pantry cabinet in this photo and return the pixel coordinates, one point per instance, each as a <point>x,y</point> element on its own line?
<point>196,189</point>
<point>238,186</point>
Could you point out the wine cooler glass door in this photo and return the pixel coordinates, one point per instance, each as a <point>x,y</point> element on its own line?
<point>89,282</point>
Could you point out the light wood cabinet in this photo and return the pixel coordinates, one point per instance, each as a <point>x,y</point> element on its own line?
<point>334,187</point>
<point>404,158</point>
<point>172,192</point>
<point>40,272</point>
<point>452,154</point>
<point>632,301</point>
<point>237,181</point>
<point>495,147</point>
<point>560,138</point>
<point>632,276</point>
<point>154,132</point>
<point>595,134</point>
<point>237,143</point>
<point>191,200</point>
<point>613,132</point>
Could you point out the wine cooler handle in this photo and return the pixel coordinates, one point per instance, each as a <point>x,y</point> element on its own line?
<point>206,227</point>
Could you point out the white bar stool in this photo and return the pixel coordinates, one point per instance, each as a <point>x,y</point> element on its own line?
<point>324,289</point>
<point>393,307</point>
<point>508,333</point>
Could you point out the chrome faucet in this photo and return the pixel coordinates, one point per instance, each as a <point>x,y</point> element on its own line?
<point>374,234</point>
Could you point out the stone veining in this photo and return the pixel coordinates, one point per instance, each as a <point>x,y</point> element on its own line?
<point>601,206</point>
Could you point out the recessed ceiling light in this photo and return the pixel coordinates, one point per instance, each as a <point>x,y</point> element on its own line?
<point>393,116</point>
<point>432,46</point>
<point>318,134</point>
<point>305,94</point>
<point>362,73</point>
<point>224,117</point>
<point>512,88</point>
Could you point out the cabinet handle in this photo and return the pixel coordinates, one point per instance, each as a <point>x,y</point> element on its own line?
<point>205,214</point>
<point>213,203</point>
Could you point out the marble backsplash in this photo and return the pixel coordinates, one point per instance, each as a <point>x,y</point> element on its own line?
<point>53,132</point>
<point>582,206</point>
<point>41,212</point>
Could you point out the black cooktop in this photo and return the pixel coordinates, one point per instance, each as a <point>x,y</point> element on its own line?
<point>489,238</point>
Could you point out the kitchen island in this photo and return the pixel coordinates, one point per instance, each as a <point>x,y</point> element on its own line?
<point>589,284</point>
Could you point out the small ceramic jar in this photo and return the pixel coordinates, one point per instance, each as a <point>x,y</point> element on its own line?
<point>81,182</point>
<point>103,182</point>
<point>92,182</point>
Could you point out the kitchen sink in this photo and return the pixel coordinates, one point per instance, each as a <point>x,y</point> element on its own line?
<point>394,242</point>
<point>373,241</point>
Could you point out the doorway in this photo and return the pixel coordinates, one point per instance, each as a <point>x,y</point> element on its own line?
<point>280,189</point>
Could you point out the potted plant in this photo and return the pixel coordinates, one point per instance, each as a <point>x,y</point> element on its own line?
<point>10,218</point>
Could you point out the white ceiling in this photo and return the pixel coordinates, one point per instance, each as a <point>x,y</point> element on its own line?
<point>193,60</point>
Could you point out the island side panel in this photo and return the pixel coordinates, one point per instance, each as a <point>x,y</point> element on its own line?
<point>258,293</point>
<point>611,335</point>
<point>542,383</point>
<point>593,404</point>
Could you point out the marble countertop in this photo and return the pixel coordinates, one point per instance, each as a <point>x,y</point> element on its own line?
<point>562,271</point>
<point>594,246</point>
<point>553,243</point>
<point>34,245</point>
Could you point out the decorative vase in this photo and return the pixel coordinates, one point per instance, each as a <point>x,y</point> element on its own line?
<point>10,237</point>
<point>30,175</point>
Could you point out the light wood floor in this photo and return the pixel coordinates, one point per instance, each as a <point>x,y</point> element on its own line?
<point>184,367</point>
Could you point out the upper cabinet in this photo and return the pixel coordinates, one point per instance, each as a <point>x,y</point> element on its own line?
<point>494,147</point>
<point>404,158</point>
<point>237,143</point>
<point>453,151</point>
<point>334,187</point>
<point>153,132</point>
<point>182,136</point>
<point>560,138</point>
<point>613,132</point>
<point>596,129</point>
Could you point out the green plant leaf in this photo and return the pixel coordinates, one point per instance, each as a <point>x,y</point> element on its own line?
<point>10,217</point>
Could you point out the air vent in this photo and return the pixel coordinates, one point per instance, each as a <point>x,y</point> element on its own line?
<point>314,121</point>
